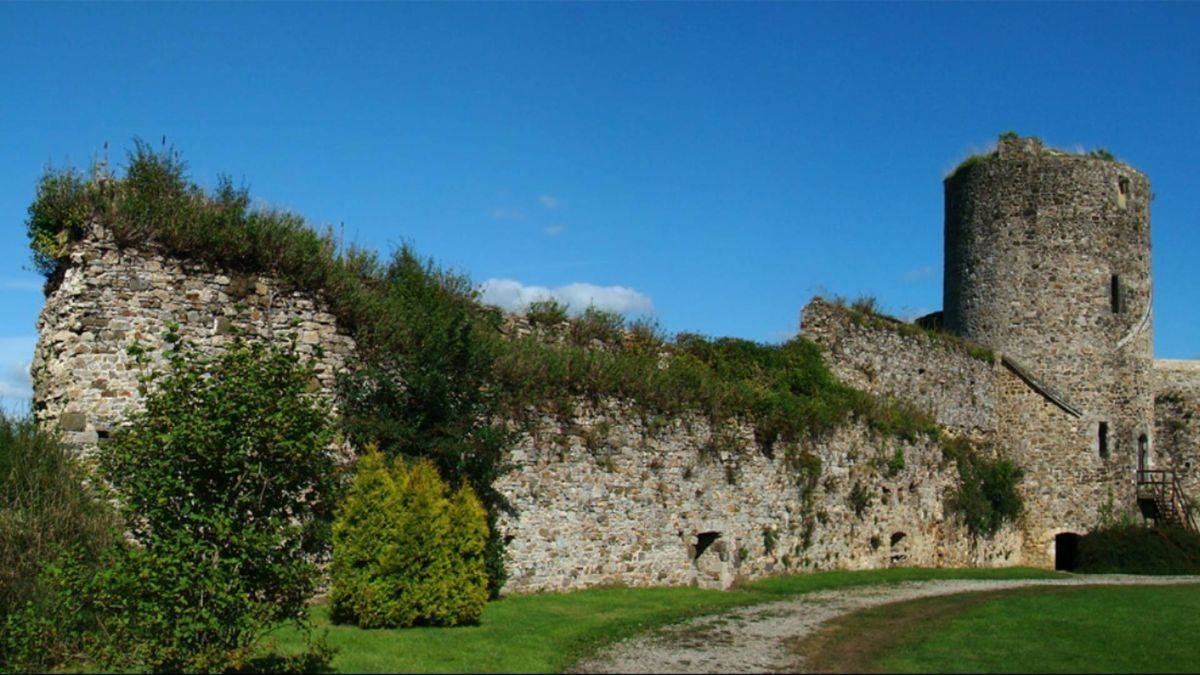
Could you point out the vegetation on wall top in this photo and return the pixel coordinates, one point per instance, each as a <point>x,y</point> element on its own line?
<point>409,307</point>
<point>1011,136</point>
<point>865,311</point>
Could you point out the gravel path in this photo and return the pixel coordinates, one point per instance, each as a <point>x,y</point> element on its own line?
<point>755,639</point>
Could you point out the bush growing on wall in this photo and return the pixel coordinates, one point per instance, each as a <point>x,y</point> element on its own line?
<point>406,550</point>
<point>987,494</point>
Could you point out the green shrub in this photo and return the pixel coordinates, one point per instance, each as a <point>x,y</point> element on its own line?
<point>597,325</point>
<point>895,464</point>
<point>548,313</point>
<point>644,334</point>
<point>45,506</point>
<point>866,304</point>
<point>1138,549</point>
<point>48,517</point>
<point>1102,153</point>
<point>987,495</point>
<point>221,478</point>
<point>405,550</point>
<point>65,204</point>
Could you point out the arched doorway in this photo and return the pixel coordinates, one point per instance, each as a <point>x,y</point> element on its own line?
<point>1066,551</point>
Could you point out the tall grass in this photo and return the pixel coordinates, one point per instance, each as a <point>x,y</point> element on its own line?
<point>45,507</point>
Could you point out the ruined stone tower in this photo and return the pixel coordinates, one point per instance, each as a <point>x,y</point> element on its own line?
<point>1048,262</point>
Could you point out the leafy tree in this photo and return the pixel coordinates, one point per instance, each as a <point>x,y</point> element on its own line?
<point>220,479</point>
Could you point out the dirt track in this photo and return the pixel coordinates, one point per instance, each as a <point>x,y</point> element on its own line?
<point>756,639</point>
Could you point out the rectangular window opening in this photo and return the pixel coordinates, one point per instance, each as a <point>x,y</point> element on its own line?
<point>1114,291</point>
<point>1103,434</point>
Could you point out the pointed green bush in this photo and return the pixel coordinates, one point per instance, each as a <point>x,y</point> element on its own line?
<point>405,550</point>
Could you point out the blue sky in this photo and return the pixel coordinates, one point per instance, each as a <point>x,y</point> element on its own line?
<point>715,165</point>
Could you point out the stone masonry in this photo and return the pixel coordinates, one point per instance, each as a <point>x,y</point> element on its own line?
<point>109,299</point>
<point>609,500</point>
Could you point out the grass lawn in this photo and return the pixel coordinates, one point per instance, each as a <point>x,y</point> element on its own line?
<point>551,631</point>
<point>1080,629</point>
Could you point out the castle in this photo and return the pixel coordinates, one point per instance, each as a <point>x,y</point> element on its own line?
<point>1047,269</point>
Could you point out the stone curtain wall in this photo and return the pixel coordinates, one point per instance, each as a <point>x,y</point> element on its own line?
<point>84,380</point>
<point>600,499</point>
<point>939,377</point>
<point>605,500</point>
<point>1177,420</point>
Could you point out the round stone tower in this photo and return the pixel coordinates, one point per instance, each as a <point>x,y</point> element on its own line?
<point>1048,262</point>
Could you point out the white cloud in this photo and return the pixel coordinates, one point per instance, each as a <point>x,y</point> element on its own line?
<point>514,296</point>
<point>919,274</point>
<point>16,353</point>
<point>549,202</point>
<point>507,214</point>
<point>555,229</point>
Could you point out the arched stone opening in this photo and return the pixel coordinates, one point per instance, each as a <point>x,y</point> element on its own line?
<point>704,540</point>
<point>1066,551</point>
<point>710,558</point>
<point>899,548</point>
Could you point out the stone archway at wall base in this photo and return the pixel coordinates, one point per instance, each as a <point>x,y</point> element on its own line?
<point>1066,551</point>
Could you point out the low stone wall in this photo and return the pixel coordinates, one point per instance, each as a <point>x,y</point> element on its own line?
<point>108,299</point>
<point>602,499</point>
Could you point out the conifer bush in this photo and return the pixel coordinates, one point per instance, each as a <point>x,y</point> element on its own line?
<point>406,550</point>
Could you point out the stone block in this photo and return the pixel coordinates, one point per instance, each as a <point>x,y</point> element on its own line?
<point>72,421</point>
